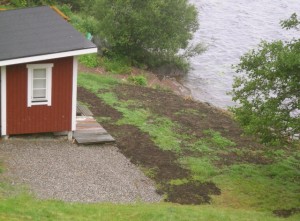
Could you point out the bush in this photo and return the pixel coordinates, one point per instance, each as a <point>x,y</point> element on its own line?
<point>90,60</point>
<point>84,23</point>
<point>19,3</point>
<point>267,89</point>
<point>138,80</point>
<point>147,31</point>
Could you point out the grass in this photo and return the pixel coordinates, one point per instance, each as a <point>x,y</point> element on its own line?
<point>94,82</point>
<point>271,186</point>
<point>202,169</point>
<point>138,80</point>
<point>243,185</point>
<point>159,128</point>
<point>25,207</point>
<point>216,139</point>
<point>115,65</point>
<point>248,191</point>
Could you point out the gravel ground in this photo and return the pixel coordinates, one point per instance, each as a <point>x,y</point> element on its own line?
<point>57,169</point>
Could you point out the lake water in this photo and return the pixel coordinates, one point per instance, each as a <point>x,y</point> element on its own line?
<point>230,28</point>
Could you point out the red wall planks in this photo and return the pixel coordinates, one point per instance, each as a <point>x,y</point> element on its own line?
<point>40,118</point>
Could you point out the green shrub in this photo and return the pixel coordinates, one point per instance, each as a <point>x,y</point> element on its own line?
<point>84,23</point>
<point>19,3</point>
<point>146,29</point>
<point>90,60</point>
<point>138,80</point>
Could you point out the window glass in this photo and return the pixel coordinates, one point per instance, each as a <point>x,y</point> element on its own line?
<point>39,73</point>
<point>39,94</point>
<point>39,84</point>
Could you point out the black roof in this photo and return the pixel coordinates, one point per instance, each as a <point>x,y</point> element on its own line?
<point>37,31</point>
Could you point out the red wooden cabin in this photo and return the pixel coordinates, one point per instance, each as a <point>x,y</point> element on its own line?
<point>38,67</point>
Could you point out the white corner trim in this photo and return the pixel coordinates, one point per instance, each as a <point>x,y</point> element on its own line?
<point>3,101</point>
<point>74,92</point>
<point>48,56</point>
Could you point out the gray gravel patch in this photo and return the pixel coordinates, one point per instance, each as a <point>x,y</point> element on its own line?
<point>57,169</point>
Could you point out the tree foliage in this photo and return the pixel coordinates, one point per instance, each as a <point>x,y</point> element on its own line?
<point>143,30</point>
<point>268,88</point>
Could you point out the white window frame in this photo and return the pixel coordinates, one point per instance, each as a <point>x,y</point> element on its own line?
<point>31,67</point>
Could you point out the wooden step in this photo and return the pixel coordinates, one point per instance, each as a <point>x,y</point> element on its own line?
<point>92,139</point>
<point>89,131</point>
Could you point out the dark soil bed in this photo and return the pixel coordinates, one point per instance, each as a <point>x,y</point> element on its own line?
<point>177,108</point>
<point>140,149</point>
<point>193,118</point>
<point>286,212</point>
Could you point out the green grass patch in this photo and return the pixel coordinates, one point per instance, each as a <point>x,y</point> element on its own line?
<point>116,65</point>
<point>138,80</point>
<point>178,182</point>
<point>160,129</point>
<point>190,111</point>
<point>267,187</point>
<point>94,82</point>
<point>103,119</point>
<point>216,139</point>
<point>200,146</point>
<point>90,60</point>
<point>202,169</point>
<point>213,142</point>
<point>25,207</point>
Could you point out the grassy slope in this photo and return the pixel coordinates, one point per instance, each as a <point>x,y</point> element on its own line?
<point>28,208</point>
<point>256,186</point>
<point>243,185</point>
<point>21,206</point>
<point>225,207</point>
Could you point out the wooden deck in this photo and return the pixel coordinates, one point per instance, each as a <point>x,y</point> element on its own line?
<point>89,131</point>
<point>83,110</point>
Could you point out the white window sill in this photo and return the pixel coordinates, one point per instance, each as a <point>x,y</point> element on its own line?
<point>39,103</point>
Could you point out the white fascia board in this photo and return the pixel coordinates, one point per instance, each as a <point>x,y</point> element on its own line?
<point>48,56</point>
<point>3,100</point>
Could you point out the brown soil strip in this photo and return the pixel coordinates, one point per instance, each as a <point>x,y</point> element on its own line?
<point>205,117</point>
<point>140,149</point>
<point>286,212</point>
<point>192,193</point>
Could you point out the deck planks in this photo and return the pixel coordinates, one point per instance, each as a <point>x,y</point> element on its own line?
<point>89,131</point>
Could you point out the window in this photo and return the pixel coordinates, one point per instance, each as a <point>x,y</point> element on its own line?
<point>39,84</point>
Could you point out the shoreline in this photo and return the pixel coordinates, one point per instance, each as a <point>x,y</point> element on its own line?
<point>154,81</point>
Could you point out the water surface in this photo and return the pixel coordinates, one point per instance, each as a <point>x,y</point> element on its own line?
<point>230,28</point>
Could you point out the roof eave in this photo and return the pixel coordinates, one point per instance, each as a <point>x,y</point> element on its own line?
<point>48,56</point>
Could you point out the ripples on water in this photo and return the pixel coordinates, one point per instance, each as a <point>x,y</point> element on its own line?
<point>230,28</point>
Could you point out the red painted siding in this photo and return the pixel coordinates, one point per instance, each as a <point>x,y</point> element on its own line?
<point>40,118</point>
